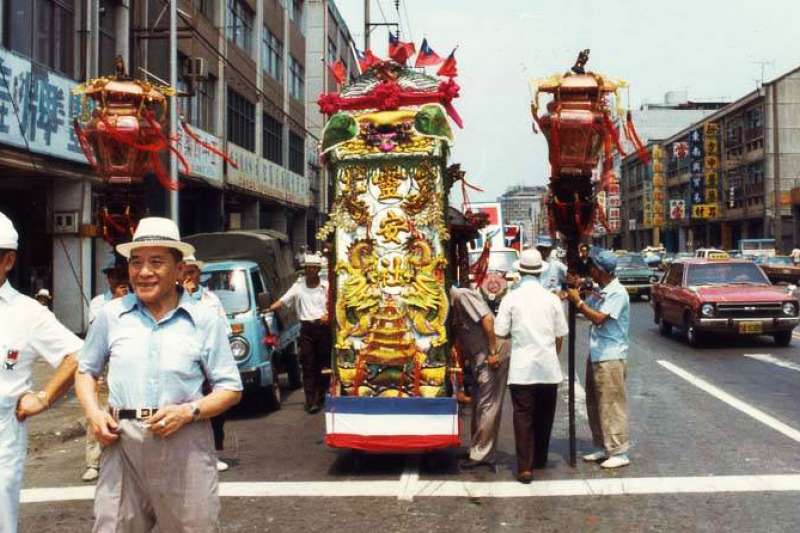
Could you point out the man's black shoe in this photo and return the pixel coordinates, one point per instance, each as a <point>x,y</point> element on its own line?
<point>314,410</point>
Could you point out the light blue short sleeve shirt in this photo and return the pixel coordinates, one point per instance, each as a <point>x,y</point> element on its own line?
<point>609,341</point>
<point>156,363</point>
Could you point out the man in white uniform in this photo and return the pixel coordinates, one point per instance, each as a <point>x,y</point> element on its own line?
<point>309,297</point>
<point>27,331</point>
<point>555,274</point>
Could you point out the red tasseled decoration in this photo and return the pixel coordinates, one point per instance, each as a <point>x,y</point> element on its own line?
<point>480,268</point>
<point>633,137</point>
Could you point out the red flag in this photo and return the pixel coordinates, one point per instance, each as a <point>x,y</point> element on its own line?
<point>400,51</point>
<point>338,71</point>
<point>427,57</point>
<point>449,68</point>
<point>366,59</point>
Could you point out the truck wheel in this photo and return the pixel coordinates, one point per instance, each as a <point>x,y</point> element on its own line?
<point>693,337</point>
<point>272,397</point>
<point>783,338</point>
<point>293,374</point>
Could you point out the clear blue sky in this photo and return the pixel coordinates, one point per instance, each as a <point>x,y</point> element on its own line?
<point>707,47</point>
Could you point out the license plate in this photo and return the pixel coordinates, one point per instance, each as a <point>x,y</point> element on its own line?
<point>631,290</point>
<point>251,378</point>
<point>750,327</point>
<point>786,271</point>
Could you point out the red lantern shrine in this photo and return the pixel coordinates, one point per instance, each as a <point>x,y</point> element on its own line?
<point>124,133</point>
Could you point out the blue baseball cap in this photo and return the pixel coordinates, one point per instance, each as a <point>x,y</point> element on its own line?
<point>603,259</point>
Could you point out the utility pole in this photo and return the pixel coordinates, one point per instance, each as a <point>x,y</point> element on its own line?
<point>174,211</point>
<point>367,26</point>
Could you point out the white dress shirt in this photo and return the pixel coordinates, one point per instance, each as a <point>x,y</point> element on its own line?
<point>28,330</point>
<point>534,318</point>
<point>309,304</point>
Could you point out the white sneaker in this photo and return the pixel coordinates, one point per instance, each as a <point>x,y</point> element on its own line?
<point>616,461</point>
<point>91,474</point>
<point>595,456</point>
<point>222,466</point>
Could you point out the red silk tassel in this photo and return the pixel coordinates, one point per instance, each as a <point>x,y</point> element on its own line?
<point>633,137</point>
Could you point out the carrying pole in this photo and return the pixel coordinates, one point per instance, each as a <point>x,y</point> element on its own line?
<point>173,108</point>
<point>571,370</point>
<point>367,25</point>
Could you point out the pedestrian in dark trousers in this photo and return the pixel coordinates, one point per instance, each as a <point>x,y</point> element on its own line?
<point>534,319</point>
<point>309,297</point>
<point>609,313</point>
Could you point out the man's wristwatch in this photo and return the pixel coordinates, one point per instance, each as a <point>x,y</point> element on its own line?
<point>195,407</point>
<point>43,397</point>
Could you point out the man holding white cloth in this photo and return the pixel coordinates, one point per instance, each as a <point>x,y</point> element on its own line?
<point>534,319</point>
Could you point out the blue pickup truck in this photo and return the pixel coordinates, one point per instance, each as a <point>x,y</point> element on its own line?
<point>247,270</point>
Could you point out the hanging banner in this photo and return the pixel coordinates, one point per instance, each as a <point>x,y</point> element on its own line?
<point>696,155</point>
<point>711,163</point>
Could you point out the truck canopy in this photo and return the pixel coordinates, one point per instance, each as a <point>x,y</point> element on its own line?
<point>269,248</point>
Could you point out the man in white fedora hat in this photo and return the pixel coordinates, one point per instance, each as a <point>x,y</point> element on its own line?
<point>158,468</point>
<point>534,319</point>
<point>192,268</point>
<point>309,297</point>
<point>27,331</point>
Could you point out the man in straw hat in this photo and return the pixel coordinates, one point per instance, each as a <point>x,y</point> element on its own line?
<point>158,467</point>
<point>309,296</point>
<point>27,331</point>
<point>192,268</point>
<point>534,319</point>
<point>606,405</point>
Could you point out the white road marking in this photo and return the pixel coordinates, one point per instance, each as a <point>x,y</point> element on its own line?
<point>746,408</point>
<point>768,358</point>
<point>409,479</point>
<point>471,489</point>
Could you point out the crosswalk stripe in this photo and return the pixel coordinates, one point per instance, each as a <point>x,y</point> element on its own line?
<point>736,403</point>
<point>593,487</point>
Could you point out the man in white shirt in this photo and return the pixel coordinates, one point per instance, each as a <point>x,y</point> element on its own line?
<point>309,297</point>
<point>796,256</point>
<point>116,275</point>
<point>28,331</point>
<point>534,319</point>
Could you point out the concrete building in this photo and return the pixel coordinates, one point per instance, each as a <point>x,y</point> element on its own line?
<point>243,67</point>
<point>521,205</point>
<point>327,40</point>
<point>746,192</point>
<point>654,121</point>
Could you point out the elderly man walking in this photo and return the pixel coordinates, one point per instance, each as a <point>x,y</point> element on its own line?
<point>609,313</point>
<point>158,467</point>
<point>534,319</point>
<point>28,331</point>
<point>555,274</point>
<point>473,327</point>
<point>309,296</point>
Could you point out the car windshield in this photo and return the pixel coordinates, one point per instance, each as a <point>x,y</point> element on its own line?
<point>725,274</point>
<point>779,260</point>
<point>631,261</point>
<point>230,286</point>
<point>498,261</point>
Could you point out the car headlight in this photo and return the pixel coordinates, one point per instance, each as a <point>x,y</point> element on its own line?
<point>707,310</point>
<point>789,309</point>
<point>240,348</point>
<point>653,279</point>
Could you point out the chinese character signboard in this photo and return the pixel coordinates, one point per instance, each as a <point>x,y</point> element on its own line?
<point>267,178</point>
<point>696,155</point>
<point>680,150</point>
<point>46,107</point>
<point>711,163</point>
<point>677,209</point>
<point>202,162</point>
<point>704,211</point>
<point>658,186</point>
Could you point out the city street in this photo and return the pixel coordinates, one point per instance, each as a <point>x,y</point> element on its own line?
<point>715,435</point>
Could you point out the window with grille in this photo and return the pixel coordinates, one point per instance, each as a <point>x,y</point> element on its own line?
<point>273,139</point>
<point>241,121</point>
<point>206,7</point>
<point>271,55</point>
<point>199,109</point>
<point>43,30</point>
<point>239,29</point>
<point>297,80</point>
<point>297,153</point>
<point>108,39</point>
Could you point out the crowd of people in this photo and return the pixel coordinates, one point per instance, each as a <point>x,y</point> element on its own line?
<point>133,398</point>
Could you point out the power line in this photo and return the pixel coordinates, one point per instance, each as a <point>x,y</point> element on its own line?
<point>408,21</point>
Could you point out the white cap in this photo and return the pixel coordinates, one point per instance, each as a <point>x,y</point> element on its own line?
<point>312,260</point>
<point>192,260</point>
<point>43,293</point>
<point>156,231</point>
<point>9,238</point>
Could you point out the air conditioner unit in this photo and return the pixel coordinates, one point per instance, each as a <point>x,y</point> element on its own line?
<point>195,68</point>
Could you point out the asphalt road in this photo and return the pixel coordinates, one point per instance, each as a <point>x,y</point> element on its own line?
<point>715,434</point>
